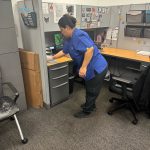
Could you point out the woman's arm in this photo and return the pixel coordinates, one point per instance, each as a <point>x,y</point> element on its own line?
<point>87,58</point>
<point>59,54</point>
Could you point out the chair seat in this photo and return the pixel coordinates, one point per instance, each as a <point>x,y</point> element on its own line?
<point>120,92</point>
<point>7,107</point>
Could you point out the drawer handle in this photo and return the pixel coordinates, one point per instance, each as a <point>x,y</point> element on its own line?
<point>59,85</point>
<point>60,77</point>
<point>59,68</point>
<point>144,66</point>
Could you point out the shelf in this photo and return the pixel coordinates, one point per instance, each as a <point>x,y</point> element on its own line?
<point>139,24</point>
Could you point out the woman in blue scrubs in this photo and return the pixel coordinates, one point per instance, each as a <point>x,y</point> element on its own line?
<point>91,65</point>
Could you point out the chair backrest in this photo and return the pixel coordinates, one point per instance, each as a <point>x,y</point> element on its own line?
<point>144,101</point>
<point>1,89</point>
<point>138,86</point>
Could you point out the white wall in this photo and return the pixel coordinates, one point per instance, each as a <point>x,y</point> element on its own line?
<point>99,2</point>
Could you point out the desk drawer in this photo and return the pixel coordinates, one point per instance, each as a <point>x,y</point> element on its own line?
<point>58,70</point>
<point>59,93</point>
<point>55,81</point>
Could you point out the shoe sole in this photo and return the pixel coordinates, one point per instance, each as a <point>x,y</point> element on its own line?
<point>94,109</point>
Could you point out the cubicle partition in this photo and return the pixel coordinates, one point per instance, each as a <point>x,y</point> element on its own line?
<point>93,19</point>
<point>9,55</point>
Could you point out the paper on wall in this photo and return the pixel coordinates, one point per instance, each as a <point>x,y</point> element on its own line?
<point>109,34</point>
<point>58,12</point>
<point>71,10</point>
<point>115,34</point>
<point>45,8</point>
<point>61,9</point>
<point>50,5</point>
<point>78,23</point>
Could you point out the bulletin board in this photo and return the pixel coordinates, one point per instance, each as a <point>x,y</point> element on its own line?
<point>94,17</point>
<point>87,16</point>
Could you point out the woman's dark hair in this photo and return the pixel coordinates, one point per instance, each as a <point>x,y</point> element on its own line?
<point>67,20</point>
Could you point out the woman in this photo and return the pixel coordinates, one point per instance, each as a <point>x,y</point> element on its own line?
<point>91,65</point>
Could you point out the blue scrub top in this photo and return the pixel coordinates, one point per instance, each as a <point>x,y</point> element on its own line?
<point>77,45</point>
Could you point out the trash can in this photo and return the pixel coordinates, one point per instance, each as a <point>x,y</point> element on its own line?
<point>71,83</point>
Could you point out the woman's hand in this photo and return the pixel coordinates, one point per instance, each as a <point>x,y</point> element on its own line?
<point>49,58</point>
<point>87,58</point>
<point>82,72</point>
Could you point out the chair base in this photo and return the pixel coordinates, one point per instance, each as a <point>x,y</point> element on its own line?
<point>24,141</point>
<point>12,118</point>
<point>123,103</point>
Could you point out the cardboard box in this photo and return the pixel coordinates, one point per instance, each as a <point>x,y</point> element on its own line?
<point>32,78</point>
<point>33,88</point>
<point>29,60</point>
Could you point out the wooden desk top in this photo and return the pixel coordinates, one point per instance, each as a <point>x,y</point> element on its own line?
<point>127,54</point>
<point>59,60</point>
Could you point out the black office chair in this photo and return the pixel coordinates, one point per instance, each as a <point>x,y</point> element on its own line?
<point>130,93</point>
<point>8,107</point>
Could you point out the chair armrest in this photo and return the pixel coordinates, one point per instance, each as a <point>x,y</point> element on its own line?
<point>13,89</point>
<point>125,84</point>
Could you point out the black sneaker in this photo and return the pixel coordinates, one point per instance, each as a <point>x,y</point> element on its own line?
<point>82,114</point>
<point>83,105</point>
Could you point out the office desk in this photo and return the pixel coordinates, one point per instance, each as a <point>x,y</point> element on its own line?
<point>125,54</point>
<point>59,60</point>
<point>125,63</point>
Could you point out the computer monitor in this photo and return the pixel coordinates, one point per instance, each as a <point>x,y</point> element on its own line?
<point>90,33</point>
<point>58,41</point>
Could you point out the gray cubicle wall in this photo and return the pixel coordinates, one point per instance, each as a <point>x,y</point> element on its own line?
<point>115,12</point>
<point>33,40</point>
<point>9,55</point>
<point>50,25</point>
<point>118,18</point>
<point>7,31</point>
<point>31,36</point>
<point>130,42</point>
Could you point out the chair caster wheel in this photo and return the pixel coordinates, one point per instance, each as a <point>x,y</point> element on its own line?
<point>135,122</point>
<point>111,100</point>
<point>109,113</point>
<point>24,141</point>
<point>148,116</point>
<point>12,118</point>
